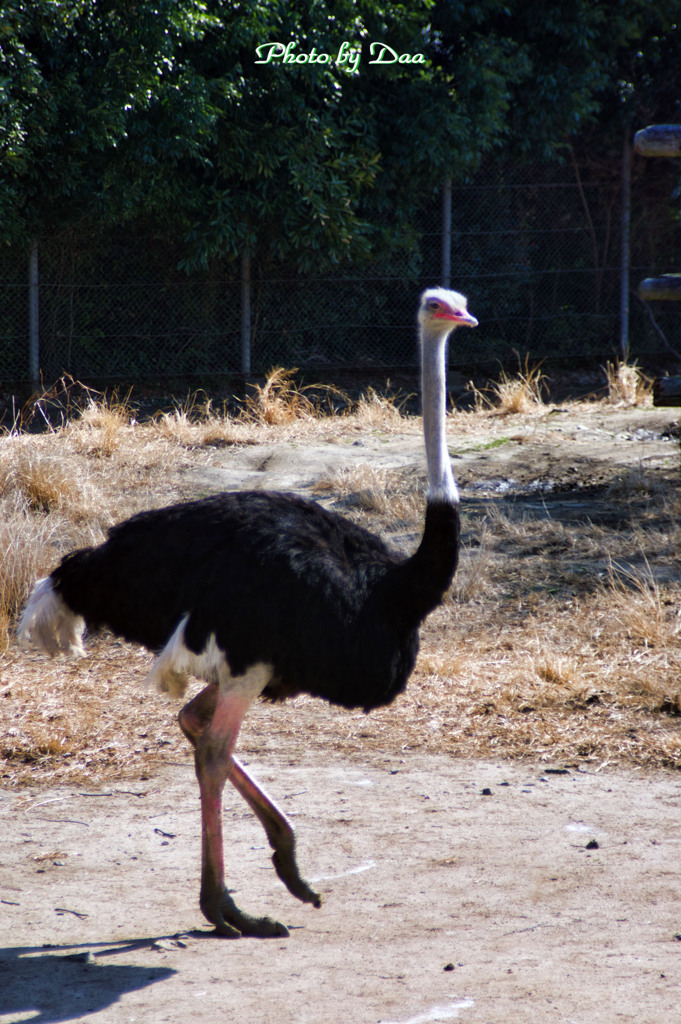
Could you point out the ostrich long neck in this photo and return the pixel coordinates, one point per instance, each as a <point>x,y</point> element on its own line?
<point>441,484</point>
<point>417,585</point>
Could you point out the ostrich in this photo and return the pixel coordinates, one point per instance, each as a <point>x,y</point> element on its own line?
<point>265,594</point>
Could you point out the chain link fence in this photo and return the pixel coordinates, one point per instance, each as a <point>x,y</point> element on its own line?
<point>536,249</point>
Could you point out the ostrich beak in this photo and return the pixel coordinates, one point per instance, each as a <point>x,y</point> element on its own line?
<point>464,319</point>
<point>460,317</point>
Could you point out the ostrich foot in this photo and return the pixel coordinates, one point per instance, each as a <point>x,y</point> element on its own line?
<point>285,865</point>
<point>231,923</point>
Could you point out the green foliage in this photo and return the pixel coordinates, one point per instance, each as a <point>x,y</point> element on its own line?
<point>87,91</point>
<point>116,111</point>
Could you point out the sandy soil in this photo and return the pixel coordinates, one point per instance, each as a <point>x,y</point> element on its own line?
<point>453,889</point>
<point>441,902</point>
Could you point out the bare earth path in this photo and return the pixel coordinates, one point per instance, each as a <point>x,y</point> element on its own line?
<point>455,887</point>
<point>440,902</point>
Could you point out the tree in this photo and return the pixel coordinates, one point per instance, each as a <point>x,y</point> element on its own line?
<point>115,110</point>
<point>169,114</point>
<point>79,79</point>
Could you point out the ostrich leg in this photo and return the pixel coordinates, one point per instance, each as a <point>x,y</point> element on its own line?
<point>280,834</point>
<point>211,723</point>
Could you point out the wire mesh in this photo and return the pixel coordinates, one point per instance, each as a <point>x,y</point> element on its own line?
<point>536,249</point>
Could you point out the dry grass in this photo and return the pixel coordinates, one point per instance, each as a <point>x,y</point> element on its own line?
<point>558,642</point>
<point>196,424</point>
<point>281,400</point>
<point>394,498</point>
<point>475,563</point>
<point>640,607</point>
<point>25,542</point>
<point>46,505</point>
<point>47,484</point>
<point>99,427</point>
<point>522,392</point>
<point>627,384</point>
<point>375,411</point>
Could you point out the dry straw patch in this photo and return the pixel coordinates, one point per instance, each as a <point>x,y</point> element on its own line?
<point>25,544</point>
<point>48,484</point>
<point>44,509</point>
<point>194,427</point>
<point>395,497</point>
<point>520,393</point>
<point>383,412</point>
<point>100,425</point>
<point>72,722</point>
<point>551,646</point>
<point>627,384</point>
<point>640,607</point>
<point>281,400</point>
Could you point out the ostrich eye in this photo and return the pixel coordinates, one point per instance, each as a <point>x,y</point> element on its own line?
<point>433,305</point>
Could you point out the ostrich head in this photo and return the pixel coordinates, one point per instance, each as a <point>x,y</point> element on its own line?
<point>441,311</point>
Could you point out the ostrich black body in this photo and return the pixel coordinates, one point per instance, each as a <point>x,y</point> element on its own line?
<point>277,579</point>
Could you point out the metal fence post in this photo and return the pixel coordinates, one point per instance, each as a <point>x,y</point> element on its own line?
<point>246,312</point>
<point>446,232</point>
<point>625,258</point>
<point>33,316</point>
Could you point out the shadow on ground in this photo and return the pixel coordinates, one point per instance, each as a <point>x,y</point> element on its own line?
<point>63,983</point>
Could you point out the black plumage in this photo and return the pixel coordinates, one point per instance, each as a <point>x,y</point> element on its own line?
<point>265,594</point>
<point>275,579</point>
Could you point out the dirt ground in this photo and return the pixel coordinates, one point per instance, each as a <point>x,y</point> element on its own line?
<point>440,902</point>
<point>454,887</point>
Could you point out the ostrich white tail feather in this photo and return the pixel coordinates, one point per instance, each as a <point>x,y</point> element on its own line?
<point>50,624</point>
